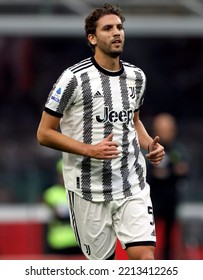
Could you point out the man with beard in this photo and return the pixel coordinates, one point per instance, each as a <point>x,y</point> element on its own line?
<point>97,102</point>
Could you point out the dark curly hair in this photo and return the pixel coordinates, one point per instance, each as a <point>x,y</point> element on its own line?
<point>96,14</point>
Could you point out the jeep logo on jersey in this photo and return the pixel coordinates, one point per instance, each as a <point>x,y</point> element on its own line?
<point>123,116</point>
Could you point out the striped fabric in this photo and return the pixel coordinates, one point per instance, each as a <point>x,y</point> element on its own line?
<point>92,103</point>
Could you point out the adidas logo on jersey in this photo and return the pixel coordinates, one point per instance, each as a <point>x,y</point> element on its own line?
<point>98,94</point>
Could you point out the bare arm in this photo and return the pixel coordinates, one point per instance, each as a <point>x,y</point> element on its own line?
<point>155,150</point>
<point>48,135</point>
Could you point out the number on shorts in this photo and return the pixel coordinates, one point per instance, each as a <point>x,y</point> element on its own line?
<point>150,211</point>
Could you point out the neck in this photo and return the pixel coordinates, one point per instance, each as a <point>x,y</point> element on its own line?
<point>107,62</point>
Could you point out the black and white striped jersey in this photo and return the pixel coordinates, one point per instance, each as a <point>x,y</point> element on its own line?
<point>92,103</point>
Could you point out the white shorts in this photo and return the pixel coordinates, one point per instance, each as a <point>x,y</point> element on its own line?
<point>97,225</point>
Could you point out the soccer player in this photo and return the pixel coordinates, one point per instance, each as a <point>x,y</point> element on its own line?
<point>97,103</point>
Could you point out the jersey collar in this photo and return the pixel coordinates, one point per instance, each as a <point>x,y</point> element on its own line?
<point>105,71</point>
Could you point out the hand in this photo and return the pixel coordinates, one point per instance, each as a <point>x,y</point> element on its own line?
<point>156,151</point>
<point>106,149</point>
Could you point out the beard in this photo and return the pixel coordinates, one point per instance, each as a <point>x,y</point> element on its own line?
<point>111,50</point>
<point>115,54</point>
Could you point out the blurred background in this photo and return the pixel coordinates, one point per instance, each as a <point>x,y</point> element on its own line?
<point>38,40</point>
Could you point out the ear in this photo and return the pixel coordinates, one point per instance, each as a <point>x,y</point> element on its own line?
<point>92,39</point>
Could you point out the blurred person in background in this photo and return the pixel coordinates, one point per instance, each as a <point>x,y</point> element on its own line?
<point>166,179</point>
<point>60,238</point>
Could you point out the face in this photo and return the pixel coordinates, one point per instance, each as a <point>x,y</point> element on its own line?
<point>165,127</point>
<point>109,37</point>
